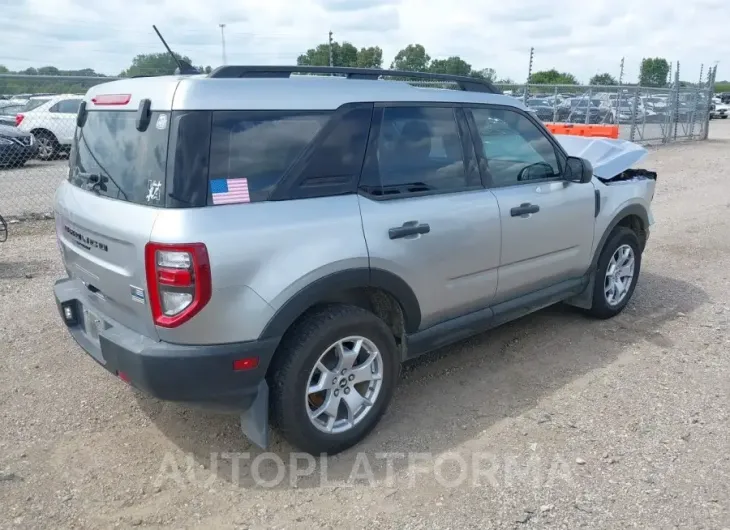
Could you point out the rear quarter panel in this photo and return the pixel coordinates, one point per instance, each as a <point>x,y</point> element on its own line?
<point>261,254</point>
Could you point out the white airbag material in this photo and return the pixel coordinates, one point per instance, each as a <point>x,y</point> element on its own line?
<point>609,157</point>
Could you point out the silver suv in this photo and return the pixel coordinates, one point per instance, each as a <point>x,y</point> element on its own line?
<point>277,245</point>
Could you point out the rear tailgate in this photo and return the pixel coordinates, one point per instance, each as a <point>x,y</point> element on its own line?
<point>102,243</point>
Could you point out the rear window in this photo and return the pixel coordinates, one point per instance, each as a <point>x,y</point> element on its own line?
<point>189,159</point>
<point>35,103</point>
<point>251,150</point>
<point>111,157</point>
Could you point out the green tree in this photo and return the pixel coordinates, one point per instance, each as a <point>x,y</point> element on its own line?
<point>153,64</point>
<point>453,65</point>
<point>371,57</point>
<point>553,77</point>
<point>344,54</point>
<point>485,73</point>
<point>3,69</point>
<point>412,58</point>
<point>654,72</point>
<point>603,79</point>
<point>48,70</point>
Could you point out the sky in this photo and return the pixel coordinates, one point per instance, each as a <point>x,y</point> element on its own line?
<point>583,37</point>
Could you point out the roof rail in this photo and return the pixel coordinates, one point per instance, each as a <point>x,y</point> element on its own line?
<point>468,84</point>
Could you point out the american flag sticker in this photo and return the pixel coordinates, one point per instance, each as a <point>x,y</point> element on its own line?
<point>229,191</point>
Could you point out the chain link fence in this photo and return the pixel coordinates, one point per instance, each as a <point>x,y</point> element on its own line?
<point>38,121</point>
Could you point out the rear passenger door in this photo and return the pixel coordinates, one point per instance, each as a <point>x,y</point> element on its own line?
<point>426,215</point>
<point>547,222</point>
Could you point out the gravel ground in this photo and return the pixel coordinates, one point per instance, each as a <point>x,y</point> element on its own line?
<point>30,189</point>
<point>552,421</point>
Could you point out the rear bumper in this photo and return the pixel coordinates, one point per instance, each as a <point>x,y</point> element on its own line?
<point>194,374</point>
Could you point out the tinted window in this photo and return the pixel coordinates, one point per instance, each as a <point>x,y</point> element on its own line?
<point>67,106</point>
<point>11,111</point>
<point>333,165</point>
<point>516,150</point>
<point>188,159</point>
<point>259,146</point>
<point>128,164</point>
<point>417,149</point>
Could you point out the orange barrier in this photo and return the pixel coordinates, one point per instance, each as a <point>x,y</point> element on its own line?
<point>577,129</point>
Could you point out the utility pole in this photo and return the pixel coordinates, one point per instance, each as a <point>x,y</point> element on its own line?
<point>223,42</point>
<point>529,75</point>
<point>621,73</point>
<point>330,47</point>
<point>702,71</point>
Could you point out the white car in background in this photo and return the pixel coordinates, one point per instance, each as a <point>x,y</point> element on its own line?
<point>718,109</point>
<point>52,121</point>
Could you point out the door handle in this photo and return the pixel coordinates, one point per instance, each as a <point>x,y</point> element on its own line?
<point>410,228</point>
<point>524,209</point>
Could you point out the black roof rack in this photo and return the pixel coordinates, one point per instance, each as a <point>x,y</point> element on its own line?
<point>468,84</point>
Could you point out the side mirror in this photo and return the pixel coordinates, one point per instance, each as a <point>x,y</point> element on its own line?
<point>578,170</point>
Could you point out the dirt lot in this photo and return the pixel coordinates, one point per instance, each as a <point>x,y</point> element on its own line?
<point>553,421</point>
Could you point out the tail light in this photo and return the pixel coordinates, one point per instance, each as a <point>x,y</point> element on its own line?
<point>178,281</point>
<point>19,119</point>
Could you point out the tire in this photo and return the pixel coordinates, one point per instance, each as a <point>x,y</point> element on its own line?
<point>48,146</point>
<point>292,373</point>
<point>602,307</point>
<point>724,117</point>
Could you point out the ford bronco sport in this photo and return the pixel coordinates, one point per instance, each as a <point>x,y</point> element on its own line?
<point>277,245</point>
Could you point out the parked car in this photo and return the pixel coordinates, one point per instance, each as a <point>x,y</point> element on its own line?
<point>625,111</point>
<point>719,110</point>
<point>52,120</point>
<point>542,107</point>
<point>16,147</point>
<point>8,111</point>
<point>225,247</point>
<point>574,110</point>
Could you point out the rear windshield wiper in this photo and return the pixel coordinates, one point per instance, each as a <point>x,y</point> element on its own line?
<point>98,179</point>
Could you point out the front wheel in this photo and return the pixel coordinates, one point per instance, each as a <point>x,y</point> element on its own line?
<point>618,270</point>
<point>333,378</point>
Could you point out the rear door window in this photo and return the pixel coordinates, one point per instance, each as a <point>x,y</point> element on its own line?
<point>417,150</point>
<point>251,150</point>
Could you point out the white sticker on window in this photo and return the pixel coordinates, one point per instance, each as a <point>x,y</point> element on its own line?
<point>161,122</point>
<point>153,190</point>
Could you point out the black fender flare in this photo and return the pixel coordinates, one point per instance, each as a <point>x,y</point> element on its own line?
<point>337,282</point>
<point>632,209</point>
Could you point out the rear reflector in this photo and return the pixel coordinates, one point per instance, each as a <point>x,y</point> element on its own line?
<point>19,119</point>
<point>124,377</point>
<point>176,277</point>
<point>111,99</point>
<point>249,363</point>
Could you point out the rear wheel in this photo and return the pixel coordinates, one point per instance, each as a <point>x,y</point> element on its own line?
<point>333,378</point>
<point>48,146</point>
<point>618,270</point>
